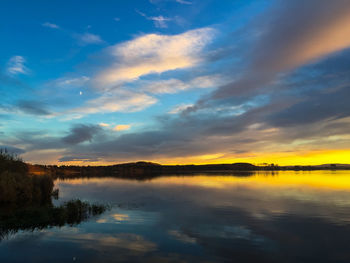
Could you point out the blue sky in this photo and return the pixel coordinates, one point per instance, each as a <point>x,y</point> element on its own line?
<point>174,81</point>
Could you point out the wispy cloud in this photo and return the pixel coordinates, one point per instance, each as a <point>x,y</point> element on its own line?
<point>153,53</point>
<point>159,21</point>
<point>143,55</point>
<point>50,25</point>
<point>116,101</point>
<point>33,107</point>
<point>176,85</point>
<point>183,2</point>
<point>70,82</point>
<point>82,38</point>
<point>89,38</point>
<point>16,66</point>
<point>179,108</point>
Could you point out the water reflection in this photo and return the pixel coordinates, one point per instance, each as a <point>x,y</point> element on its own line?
<point>280,217</point>
<point>30,218</point>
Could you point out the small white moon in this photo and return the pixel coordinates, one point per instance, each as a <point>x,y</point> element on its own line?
<point>80,93</point>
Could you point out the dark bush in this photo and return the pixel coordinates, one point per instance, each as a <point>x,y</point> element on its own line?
<point>12,163</point>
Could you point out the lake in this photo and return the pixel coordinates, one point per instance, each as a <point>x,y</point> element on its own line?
<point>261,217</point>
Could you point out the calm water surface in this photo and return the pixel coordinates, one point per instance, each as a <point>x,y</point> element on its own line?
<point>264,217</point>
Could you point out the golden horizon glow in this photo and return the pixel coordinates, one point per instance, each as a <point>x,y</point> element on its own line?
<point>286,179</point>
<point>320,180</point>
<point>279,158</point>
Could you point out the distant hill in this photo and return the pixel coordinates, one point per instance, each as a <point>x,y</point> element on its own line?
<point>145,170</point>
<point>334,165</point>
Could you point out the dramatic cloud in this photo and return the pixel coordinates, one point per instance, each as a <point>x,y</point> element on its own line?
<point>81,133</point>
<point>154,53</point>
<point>295,33</point>
<point>16,66</point>
<point>204,137</point>
<point>318,107</point>
<point>278,84</point>
<point>260,129</point>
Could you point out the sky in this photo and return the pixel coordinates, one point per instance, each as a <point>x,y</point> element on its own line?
<point>175,81</point>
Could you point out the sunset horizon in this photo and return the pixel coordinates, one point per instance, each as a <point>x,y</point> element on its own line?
<point>184,131</point>
<point>173,82</point>
<point>314,158</point>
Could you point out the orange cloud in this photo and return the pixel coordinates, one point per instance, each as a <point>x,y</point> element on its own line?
<point>122,127</point>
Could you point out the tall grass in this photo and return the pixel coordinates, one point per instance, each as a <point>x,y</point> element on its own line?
<point>18,186</point>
